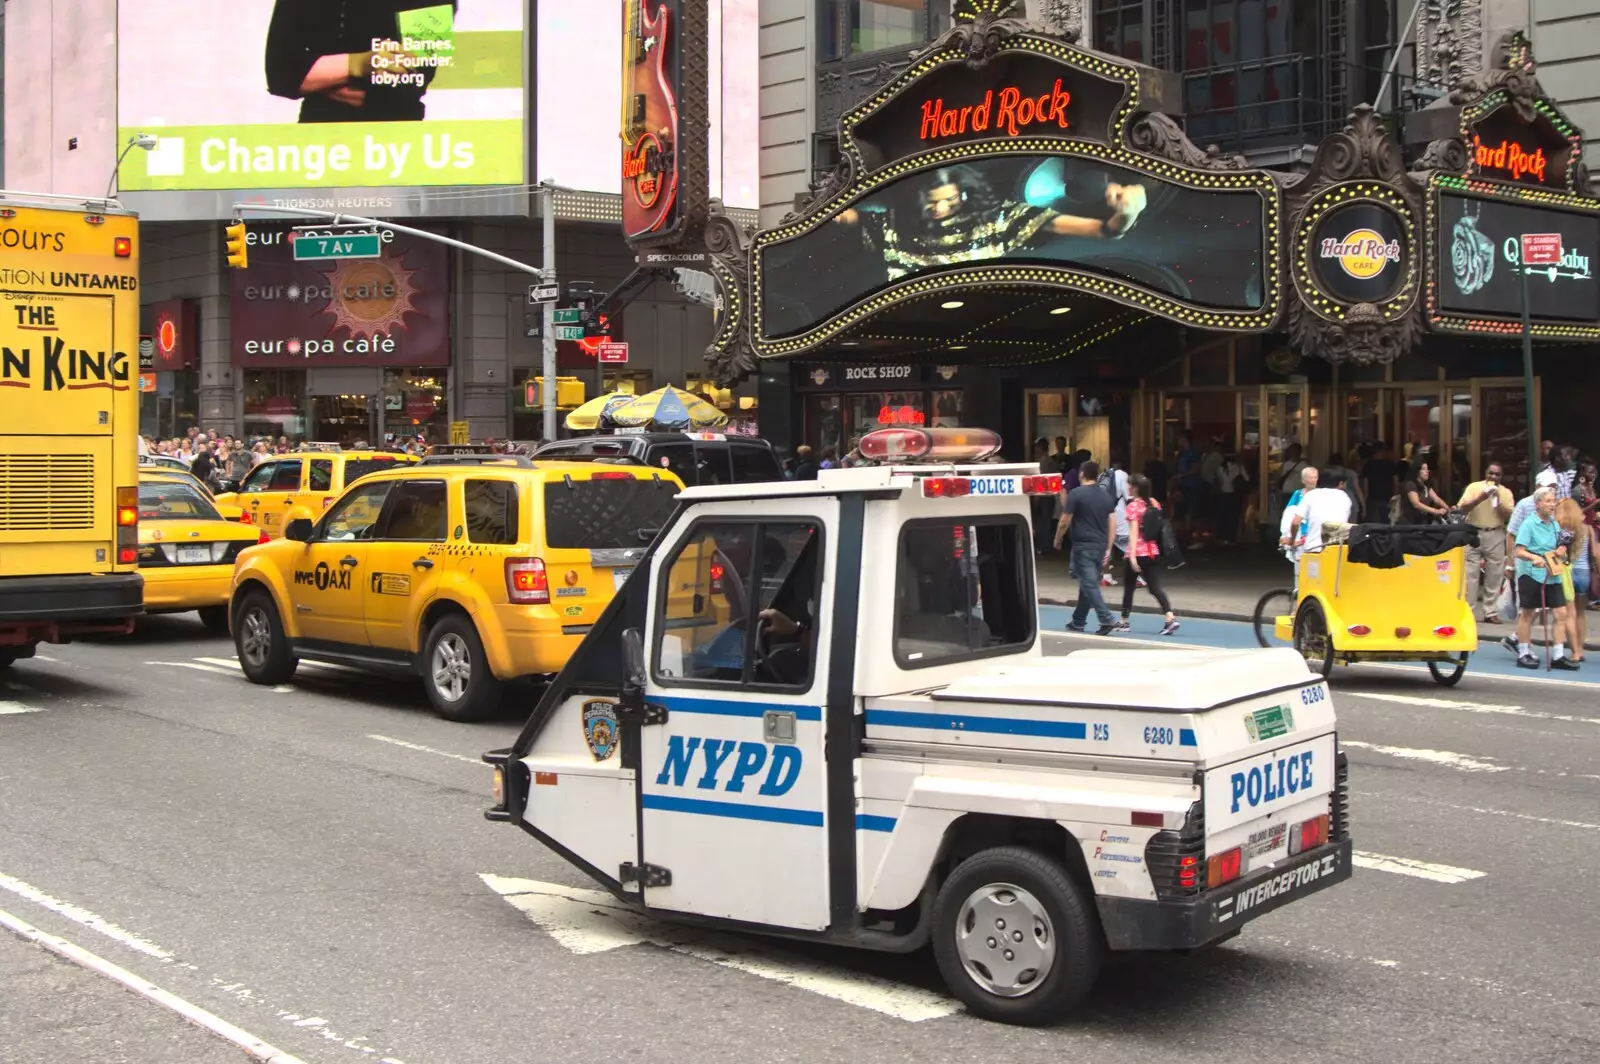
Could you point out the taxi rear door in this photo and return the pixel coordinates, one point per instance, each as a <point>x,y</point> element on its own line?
<point>734,784</point>
<point>272,498</point>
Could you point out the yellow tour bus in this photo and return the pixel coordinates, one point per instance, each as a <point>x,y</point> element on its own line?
<point>69,420</point>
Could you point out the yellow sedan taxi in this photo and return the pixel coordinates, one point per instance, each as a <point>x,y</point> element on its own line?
<point>187,550</point>
<point>183,476</point>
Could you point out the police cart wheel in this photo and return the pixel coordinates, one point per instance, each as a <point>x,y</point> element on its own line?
<point>259,638</point>
<point>1448,673</point>
<point>1015,938</point>
<point>7,659</point>
<point>215,618</point>
<point>456,671</point>
<point>1312,638</point>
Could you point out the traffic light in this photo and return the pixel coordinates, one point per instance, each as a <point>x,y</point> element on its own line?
<point>238,254</point>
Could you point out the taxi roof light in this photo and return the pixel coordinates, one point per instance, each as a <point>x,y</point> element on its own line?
<point>906,443</point>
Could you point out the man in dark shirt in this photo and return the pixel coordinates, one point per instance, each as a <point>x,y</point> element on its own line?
<point>1089,515</point>
<point>1378,478</point>
<point>322,52</point>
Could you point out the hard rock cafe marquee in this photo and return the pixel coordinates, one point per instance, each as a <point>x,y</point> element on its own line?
<point>1013,198</point>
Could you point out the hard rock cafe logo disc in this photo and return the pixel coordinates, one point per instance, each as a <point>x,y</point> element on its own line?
<point>1363,254</point>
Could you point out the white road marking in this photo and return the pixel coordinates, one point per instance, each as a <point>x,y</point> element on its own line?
<point>427,749</point>
<point>45,657</point>
<point>226,663</point>
<point>283,689</point>
<point>1405,866</point>
<point>1476,707</point>
<point>1447,758</point>
<point>232,988</point>
<point>1553,821</point>
<point>253,1046</point>
<point>93,921</point>
<point>591,921</point>
<point>233,663</point>
<point>196,666</point>
<point>8,709</point>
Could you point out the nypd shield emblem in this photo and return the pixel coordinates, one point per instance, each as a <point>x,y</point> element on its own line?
<point>600,728</point>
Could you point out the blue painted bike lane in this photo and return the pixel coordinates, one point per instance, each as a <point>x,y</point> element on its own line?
<point>1490,660</point>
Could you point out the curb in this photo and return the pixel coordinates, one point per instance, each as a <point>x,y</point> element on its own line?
<point>1486,636</point>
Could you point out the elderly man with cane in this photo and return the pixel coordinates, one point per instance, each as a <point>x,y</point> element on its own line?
<point>1539,564</point>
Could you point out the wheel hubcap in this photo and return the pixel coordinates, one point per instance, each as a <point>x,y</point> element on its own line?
<point>1005,940</point>
<point>452,667</point>
<point>255,637</point>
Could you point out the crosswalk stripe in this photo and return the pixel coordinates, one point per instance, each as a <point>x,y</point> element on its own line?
<point>196,666</point>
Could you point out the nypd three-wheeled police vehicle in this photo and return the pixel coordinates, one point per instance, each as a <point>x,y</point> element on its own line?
<point>819,709</point>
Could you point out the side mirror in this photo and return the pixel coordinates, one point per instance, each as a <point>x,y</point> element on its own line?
<point>633,674</point>
<point>299,529</point>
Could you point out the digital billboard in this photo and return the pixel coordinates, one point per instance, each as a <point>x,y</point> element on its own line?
<point>1202,247</point>
<point>1479,256</point>
<point>322,94</point>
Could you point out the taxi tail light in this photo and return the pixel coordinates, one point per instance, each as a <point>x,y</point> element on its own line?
<point>1224,867</point>
<point>1445,631</point>
<point>946,487</point>
<point>527,582</point>
<point>610,476</point>
<point>246,519</point>
<point>264,538</point>
<point>1402,633</point>
<point>1308,835</point>
<point>1042,484</point>
<point>1359,629</point>
<point>716,577</point>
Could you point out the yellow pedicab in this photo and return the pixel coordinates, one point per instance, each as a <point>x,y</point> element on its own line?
<point>1381,593</point>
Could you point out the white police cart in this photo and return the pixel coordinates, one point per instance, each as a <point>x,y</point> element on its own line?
<point>820,709</point>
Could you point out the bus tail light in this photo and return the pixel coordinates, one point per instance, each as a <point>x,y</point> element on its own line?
<point>128,526</point>
<point>122,247</point>
<point>1308,835</point>
<point>527,582</point>
<point>1223,867</point>
<point>1402,632</point>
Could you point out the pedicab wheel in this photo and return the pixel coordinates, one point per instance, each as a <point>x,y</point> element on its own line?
<point>1279,602</point>
<point>1312,638</point>
<point>1446,676</point>
<point>1015,938</point>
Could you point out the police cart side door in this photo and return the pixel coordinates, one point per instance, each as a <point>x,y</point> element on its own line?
<point>733,784</point>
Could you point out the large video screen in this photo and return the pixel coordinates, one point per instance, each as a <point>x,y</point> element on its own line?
<point>287,94</point>
<point>1479,252</point>
<point>1202,247</point>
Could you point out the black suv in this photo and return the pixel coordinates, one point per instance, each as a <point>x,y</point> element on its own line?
<point>696,457</point>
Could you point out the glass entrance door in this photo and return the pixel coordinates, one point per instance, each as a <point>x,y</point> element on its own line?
<point>1285,409</point>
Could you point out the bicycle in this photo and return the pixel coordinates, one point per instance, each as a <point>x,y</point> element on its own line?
<point>1279,602</point>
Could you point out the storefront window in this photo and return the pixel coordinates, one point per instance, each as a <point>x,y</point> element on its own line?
<point>342,419</point>
<point>275,404</point>
<point>947,409</point>
<point>1503,433</point>
<point>852,27</point>
<point>415,403</point>
<point>825,421</point>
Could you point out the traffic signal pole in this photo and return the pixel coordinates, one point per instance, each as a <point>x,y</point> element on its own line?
<point>547,391</point>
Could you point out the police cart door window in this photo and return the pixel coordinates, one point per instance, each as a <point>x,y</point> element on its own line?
<point>963,589</point>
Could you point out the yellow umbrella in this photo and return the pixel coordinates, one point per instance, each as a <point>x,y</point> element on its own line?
<point>668,408</point>
<point>586,418</point>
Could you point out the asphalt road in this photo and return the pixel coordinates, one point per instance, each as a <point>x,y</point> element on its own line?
<point>309,863</point>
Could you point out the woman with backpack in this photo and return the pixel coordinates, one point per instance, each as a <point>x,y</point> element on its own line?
<point>1145,521</point>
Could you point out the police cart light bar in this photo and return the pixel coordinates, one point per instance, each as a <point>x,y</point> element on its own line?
<point>906,444</point>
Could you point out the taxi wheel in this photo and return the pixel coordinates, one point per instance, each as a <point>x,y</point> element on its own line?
<point>215,618</point>
<point>1014,936</point>
<point>456,671</point>
<point>258,636</point>
<point>1312,638</point>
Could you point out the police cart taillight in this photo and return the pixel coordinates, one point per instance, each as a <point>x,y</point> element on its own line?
<point>1308,835</point>
<point>527,582</point>
<point>946,487</point>
<point>1223,867</point>
<point>1042,484</point>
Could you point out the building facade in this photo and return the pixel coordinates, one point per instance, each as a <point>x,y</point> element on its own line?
<point>424,335</point>
<point>1313,96</point>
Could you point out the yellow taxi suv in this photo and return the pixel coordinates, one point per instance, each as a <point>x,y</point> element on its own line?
<point>467,574</point>
<point>308,480</point>
<point>187,550</point>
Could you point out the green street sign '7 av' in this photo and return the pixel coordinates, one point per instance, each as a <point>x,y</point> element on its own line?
<point>568,316</point>
<point>342,246</point>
